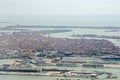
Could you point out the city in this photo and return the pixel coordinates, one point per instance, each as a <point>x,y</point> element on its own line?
<point>33,51</point>
<point>59,39</point>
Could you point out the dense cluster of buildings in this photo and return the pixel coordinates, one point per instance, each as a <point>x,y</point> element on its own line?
<point>34,48</point>
<point>35,40</point>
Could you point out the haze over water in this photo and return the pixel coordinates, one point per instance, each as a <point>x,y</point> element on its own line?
<point>63,20</point>
<point>61,13</point>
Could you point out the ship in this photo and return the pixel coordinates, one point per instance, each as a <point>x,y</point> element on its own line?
<point>67,64</point>
<point>54,69</point>
<point>111,58</point>
<point>93,65</point>
<point>20,70</point>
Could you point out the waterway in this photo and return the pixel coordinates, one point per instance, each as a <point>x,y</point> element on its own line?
<point>114,71</point>
<point>77,31</point>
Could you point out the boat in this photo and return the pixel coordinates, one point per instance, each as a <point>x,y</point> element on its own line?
<point>113,58</point>
<point>93,65</point>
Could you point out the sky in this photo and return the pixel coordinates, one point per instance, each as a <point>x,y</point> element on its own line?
<point>61,12</point>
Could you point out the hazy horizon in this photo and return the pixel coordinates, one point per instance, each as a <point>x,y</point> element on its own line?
<point>61,20</point>
<point>60,12</point>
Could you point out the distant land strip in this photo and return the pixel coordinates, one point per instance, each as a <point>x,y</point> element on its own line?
<point>86,27</point>
<point>96,36</point>
<point>5,22</point>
